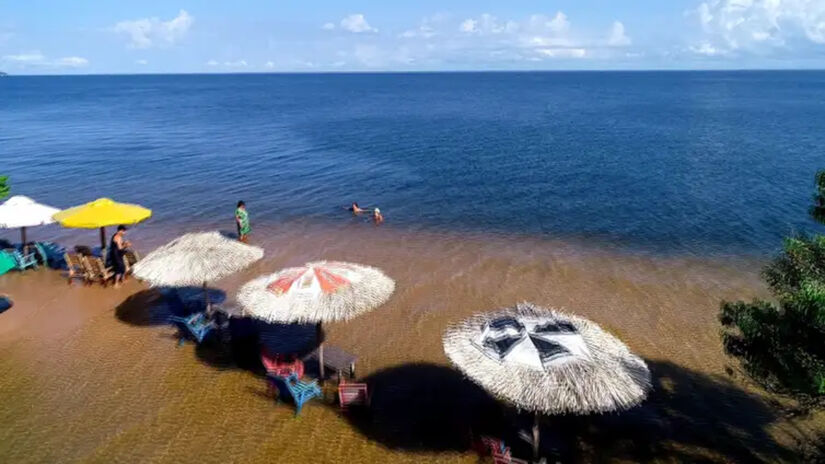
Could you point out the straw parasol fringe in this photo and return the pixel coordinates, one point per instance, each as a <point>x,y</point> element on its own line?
<point>373,289</point>
<point>194,259</point>
<point>613,379</point>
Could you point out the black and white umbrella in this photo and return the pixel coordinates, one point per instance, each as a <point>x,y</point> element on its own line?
<point>547,362</point>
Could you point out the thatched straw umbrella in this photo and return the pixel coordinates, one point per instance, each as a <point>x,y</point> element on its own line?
<point>318,292</point>
<point>21,212</point>
<point>195,259</point>
<point>547,362</point>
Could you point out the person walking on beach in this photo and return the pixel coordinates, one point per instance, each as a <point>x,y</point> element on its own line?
<point>242,221</point>
<point>117,254</point>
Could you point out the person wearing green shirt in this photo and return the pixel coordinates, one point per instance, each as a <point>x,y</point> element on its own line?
<point>242,221</point>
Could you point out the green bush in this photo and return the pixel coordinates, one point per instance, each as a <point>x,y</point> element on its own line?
<point>4,186</point>
<point>782,344</point>
<point>818,209</point>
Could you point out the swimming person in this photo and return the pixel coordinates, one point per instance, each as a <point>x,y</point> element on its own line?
<point>242,222</point>
<point>377,216</point>
<point>117,252</point>
<point>356,209</point>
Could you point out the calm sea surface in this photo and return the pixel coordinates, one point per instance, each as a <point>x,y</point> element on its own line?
<point>681,162</point>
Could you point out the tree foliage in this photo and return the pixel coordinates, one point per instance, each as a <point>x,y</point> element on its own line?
<point>4,186</point>
<point>782,344</point>
<point>818,208</point>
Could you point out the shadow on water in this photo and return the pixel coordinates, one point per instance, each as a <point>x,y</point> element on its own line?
<point>154,306</point>
<point>690,417</point>
<point>426,407</point>
<point>5,303</point>
<point>239,346</point>
<point>231,235</point>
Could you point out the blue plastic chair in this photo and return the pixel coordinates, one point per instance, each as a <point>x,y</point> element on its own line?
<point>24,261</point>
<point>51,254</point>
<point>198,325</point>
<point>299,390</point>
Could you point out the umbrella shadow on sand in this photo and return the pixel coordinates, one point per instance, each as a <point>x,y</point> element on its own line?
<point>155,306</point>
<point>239,345</point>
<point>689,417</point>
<point>426,407</point>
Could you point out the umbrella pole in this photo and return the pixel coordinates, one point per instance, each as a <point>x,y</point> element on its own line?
<point>206,299</point>
<point>23,238</point>
<point>102,238</point>
<point>536,436</point>
<point>320,355</point>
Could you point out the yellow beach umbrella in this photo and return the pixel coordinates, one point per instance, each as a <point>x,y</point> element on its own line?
<point>102,213</point>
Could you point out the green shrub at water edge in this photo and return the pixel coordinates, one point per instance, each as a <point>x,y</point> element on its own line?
<point>818,208</point>
<point>782,344</point>
<point>4,186</point>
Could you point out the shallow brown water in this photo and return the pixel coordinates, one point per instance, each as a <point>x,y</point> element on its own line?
<point>80,383</point>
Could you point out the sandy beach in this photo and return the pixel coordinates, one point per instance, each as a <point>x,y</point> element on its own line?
<point>95,375</point>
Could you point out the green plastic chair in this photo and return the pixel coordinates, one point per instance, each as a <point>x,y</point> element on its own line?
<point>24,261</point>
<point>7,262</point>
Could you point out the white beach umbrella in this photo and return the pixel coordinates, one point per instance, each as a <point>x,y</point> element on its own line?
<point>195,259</point>
<point>21,212</point>
<point>321,291</point>
<point>548,362</point>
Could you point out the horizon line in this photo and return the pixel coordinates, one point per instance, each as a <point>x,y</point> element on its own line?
<point>456,71</point>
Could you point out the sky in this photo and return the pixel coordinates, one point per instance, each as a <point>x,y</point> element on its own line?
<point>191,36</point>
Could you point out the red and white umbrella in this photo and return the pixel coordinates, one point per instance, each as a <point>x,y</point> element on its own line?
<point>321,291</point>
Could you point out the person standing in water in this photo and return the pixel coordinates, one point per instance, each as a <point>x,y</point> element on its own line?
<point>242,221</point>
<point>377,216</point>
<point>117,254</point>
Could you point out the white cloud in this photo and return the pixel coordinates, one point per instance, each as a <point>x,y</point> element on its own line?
<point>558,24</point>
<point>270,65</point>
<point>481,40</point>
<point>424,31</point>
<point>212,63</point>
<point>151,32</point>
<point>26,58</point>
<point>705,48</point>
<point>468,26</point>
<point>142,62</point>
<point>759,26</point>
<point>356,23</point>
<point>487,24</point>
<point>35,59</point>
<point>235,64</point>
<point>328,26</point>
<point>563,52</point>
<point>71,62</point>
<point>617,36</point>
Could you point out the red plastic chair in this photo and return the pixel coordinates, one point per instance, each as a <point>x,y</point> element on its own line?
<point>282,366</point>
<point>498,450</point>
<point>352,394</point>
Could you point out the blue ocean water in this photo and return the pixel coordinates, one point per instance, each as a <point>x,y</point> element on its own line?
<point>684,162</point>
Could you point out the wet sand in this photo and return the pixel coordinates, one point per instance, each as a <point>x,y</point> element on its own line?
<point>86,379</point>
